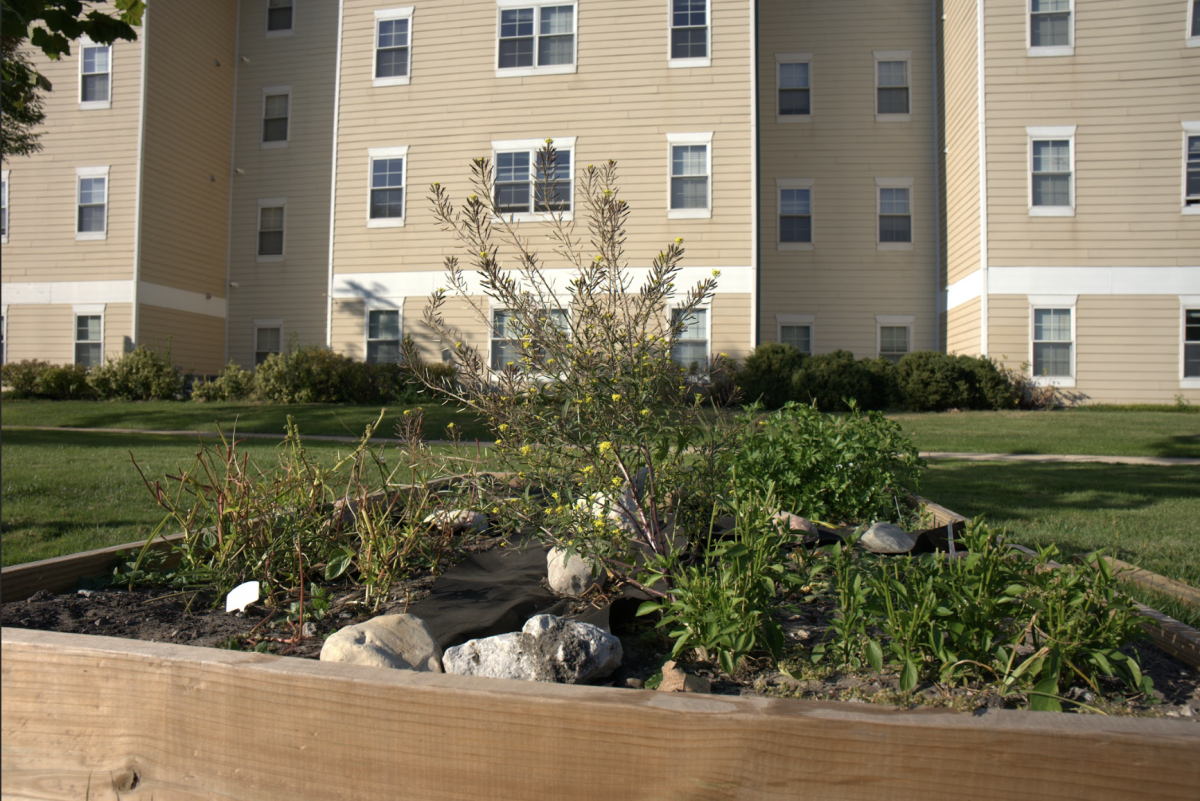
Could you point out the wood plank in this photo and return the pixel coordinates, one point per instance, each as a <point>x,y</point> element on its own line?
<point>1155,582</point>
<point>61,573</point>
<point>87,714</point>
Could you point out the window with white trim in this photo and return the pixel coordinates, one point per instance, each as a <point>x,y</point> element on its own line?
<point>91,217</point>
<point>268,339</point>
<point>691,176</point>
<point>1191,343</point>
<point>795,204</point>
<point>383,336</point>
<point>506,342</point>
<point>793,87</point>
<point>893,342</point>
<point>272,218</point>
<point>277,102</point>
<point>1051,171</point>
<point>95,75</point>
<point>393,46</point>
<point>534,38</point>
<point>894,210</point>
<point>1051,25</point>
<point>4,335</point>
<point>795,330</point>
<point>385,204</point>
<point>1193,28</point>
<point>89,339</point>
<point>527,187</point>
<point>1053,343</point>
<point>1191,167</point>
<point>4,208</point>
<point>690,34</point>
<point>892,83</point>
<point>279,17</point>
<point>691,349</point>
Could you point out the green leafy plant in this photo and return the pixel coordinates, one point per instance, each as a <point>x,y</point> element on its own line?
<point>766,376</point>
<point>233,384</point>
<point>38,379</point>
<point>141,374</point>
<point>831,380</point>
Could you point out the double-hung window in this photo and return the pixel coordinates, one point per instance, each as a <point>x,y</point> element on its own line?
<point>795,197</point>
<point>1191,345</point>
<point>95,75</point>
<point>892,81</point>
<point>393,46</point>
<point>691,175</point>
<point>1052,171</point>
<point>690,37</point>
<point>526,186</point>
<point>89,337</point>
<point>1193,26</point>
<point>508,340</point>
<point>385,205</point>
<point>691,349</point>
<point>795,330</point>
<point>1053,342</point>
<point>793,81</point>
<point>277,102</point>
<point>91,217</point>
<point>271,220</point>
<point>1051,27</point>
<point>1191,167</point>
<point>267,339</point>
<point>279,17</point>
<point>893,335</point>
<point>383,336</point>
<point>535,38</point>
<point>4,208</point>
<point>894,211</point>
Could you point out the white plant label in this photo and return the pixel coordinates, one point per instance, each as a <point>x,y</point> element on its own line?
<point>241,596</point>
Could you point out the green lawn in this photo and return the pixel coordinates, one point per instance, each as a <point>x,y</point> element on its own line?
<point>1084,431</point>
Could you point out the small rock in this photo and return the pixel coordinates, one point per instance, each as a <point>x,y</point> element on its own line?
<point>571,574</point>
<point>402,642</point>
<point>85,593</point>
<point>309,629</point>
<point>887,538</point>
<point>1186,711</point>
<point>548,648</point>
<point>459,520</point>
<point>634,684</point>
<point>677,680</point>
<point>794,522</point>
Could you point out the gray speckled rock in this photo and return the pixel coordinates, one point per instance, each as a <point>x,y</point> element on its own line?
<point>571,574</point>
<point>548,648</point>
<point>390,641</point>
<point>459,520</point>
<point>887,538</point>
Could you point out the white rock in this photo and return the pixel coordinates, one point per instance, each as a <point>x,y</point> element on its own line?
<point>571,574</point>
<point>548,648</point>
<point>887,538</point>
<point>391,641</point>
<point>458,520</point>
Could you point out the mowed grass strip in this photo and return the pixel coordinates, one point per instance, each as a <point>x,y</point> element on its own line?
<point>1107,432</point>
<point>313,419</point>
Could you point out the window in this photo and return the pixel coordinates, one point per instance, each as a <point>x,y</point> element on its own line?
<point>691,351</point>
<point>91,219</point>
<point>383,336</point>
<point>279,17</point>
<point>691,168</point>
<point>277,102</point>
<point>795,213</point>
<point>795,330</point>
<point>393,32</point>
<point>894,209</point>
<point>1052,343</point>
<point>535,39</point>
<point>267,338</point>
<point>4,208</point>
<point>385,206</point>
<point>1051,27</point>
<point>689,34</point>
<point>1052,171</point>
<point>892,85</point>
<point>89,339</point>
<point>1191,167</point>
<point>1191,343</point>
<point>527,187</point>
<point>271,218</point>
<point>4,335</point>
<point>506,336</point>
<point>893,342</point>
<point>792,81</point>
<point>1193,39</point>
<point>95,75</point>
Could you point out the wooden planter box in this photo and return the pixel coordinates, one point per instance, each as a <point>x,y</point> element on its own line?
<point>98,718</point>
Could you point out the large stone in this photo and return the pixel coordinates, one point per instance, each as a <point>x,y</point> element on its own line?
<point>887,538</point>
<point>458,520</point>
<point>571,574</point>
<point>391,641</point>
<point>548,648</point>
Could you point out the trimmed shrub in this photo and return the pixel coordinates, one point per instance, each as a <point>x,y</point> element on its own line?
<point>22,377</point>
<point>233,384</point>
<point>767,375</point>
<point>37,379</point>
<point>994,390</point>
<point>140,374</point>
<point>311,374</point>
<point>932,381</point>
<point>830,380</point>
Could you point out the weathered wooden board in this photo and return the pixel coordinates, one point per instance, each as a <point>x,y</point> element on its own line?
<point>91,717</point>
<point>61,573</point>
<point>1155,582</point>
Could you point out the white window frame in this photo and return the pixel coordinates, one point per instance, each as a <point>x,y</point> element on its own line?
<point>1037,302</point>
<point>267,21</point>
<point>383,15</point>
<point>564,306</point>
<point>1186,303</point>
<point>894,55</point>
<point>895,183</point>
<point>674,140</point>
<point>271,91</point>
<point>382,304</point>
<point>883,321</point>
<point>92,105</point>
<point>684,63</point>
<point>388,153</point>
<point>264,324</point>
<point>1046,133</point>
<point>708,322</point>
<point>1049,50</point>
<point>7,212</point>
<point>795,183</point>
<point>1191,129</point>
<point>550,69</point>
<point>265,203</point>
<point>793,58</point>
<point>1193,13</point>
<point>798,320</point>
<point>4,334</point>
<point>561,143</point>
<point>91,172</point>
<point>86,310</point>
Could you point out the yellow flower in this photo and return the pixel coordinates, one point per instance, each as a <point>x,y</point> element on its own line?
<point>605,447</point>
<point>449,425</point>
<point>587,469</point>
<point>645,412</point>
<point>616,482</point>
<point>458,345</point>
<point>554,495</point>
<point>525,450</point>
<point>499,442</point>
<point>407,412</point>
<point>716,273</point>
<point>616,396</point>
<point>679,240</point>
<point>495,510</point>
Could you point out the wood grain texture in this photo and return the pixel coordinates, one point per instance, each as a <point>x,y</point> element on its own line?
<point>1153,581</point>
<point>60,574</point>
<point>88,716</point>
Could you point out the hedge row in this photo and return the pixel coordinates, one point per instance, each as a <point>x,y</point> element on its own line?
<point>924,381</point>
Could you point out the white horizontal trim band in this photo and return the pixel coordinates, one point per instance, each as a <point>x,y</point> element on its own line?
<point>1076,281</point>
<point>168,297</point>
<point>66,293</point>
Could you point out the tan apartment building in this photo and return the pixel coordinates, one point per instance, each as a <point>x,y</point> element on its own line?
<point>1017,178</point>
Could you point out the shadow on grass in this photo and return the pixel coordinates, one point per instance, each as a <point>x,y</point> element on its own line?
<point>1186,446</point>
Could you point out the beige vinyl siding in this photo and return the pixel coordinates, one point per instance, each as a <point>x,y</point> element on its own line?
<point>1128,86</point>
<point>294,289</point>
<point>189,102</point>
<point>47,332</point>
<point>1008,329</point>
<point>963,328</point>
<point>42,244</point>
<point>457,313</point>
<point>730,327</point>
<point>961,138</point>
<point>196,340</point>
<point>845,279</point>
